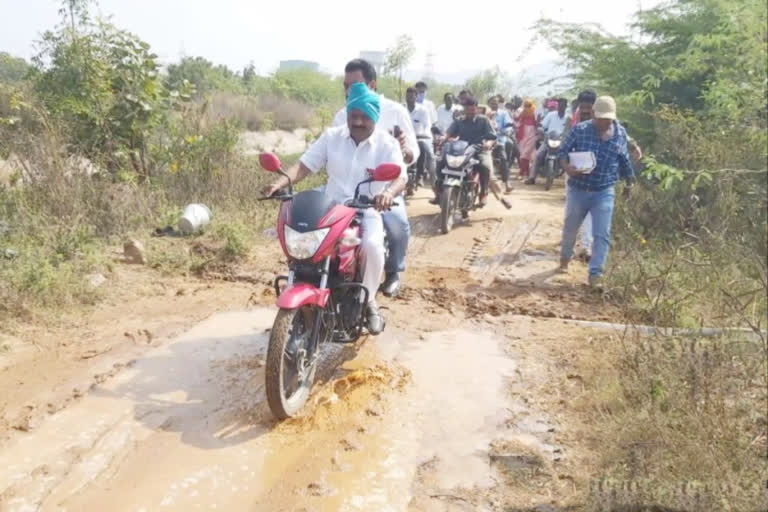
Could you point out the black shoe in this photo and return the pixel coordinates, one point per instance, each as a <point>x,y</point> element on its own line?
<point>530,181</point>
<point>374,320</point>
<point>391,285</point>
<point>434,200</point>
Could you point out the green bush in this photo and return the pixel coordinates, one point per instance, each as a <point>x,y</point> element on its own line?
<point>236,240</point>
<point>204,76</point>
<point>104,83</point>
<point>13,69</point>
<point>307,86</point>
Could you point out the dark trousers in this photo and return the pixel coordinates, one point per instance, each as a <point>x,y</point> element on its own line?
<point>500,154</point>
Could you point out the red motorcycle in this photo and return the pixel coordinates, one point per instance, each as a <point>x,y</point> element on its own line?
<point>322,298</point>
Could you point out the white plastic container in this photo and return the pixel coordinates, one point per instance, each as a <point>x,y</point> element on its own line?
<point>195,217</point>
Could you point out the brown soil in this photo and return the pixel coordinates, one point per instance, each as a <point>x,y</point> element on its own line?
<point>154,398</point>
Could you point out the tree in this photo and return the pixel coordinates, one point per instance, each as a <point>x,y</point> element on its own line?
<point>484,84</point>
<point>307,86</point>
<point>397,59</point>
<point>249,73</point>
<point>204,75</point>
<point>104,84</point>
<point>703,56</point>
<point>12,69</point>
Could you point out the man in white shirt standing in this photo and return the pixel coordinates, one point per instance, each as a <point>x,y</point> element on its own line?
<point>392,115</point>
<point>557,122</point>
<point>347,152</point>
<point>422,126</point>
<point>446,113</point>
<point>421,98</point>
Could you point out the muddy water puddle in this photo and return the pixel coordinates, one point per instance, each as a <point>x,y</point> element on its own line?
<point>186,427</point>
<point>173,430</point>
<point>433,436</point>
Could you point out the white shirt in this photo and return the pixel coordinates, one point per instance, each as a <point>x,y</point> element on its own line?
<point>445,116</point>
<point>422,125</point>
<point>347,163</point>
<point>392,113</point>
<point>552,122</point>
<point>427,104</point>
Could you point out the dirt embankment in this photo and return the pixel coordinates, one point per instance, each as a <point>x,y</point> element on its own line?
<point>155,401</point>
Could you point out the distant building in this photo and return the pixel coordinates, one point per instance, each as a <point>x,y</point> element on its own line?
<point>375,58</point>
<point>292,65</point>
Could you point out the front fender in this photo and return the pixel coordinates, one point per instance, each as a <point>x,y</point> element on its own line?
<point>303,294</point>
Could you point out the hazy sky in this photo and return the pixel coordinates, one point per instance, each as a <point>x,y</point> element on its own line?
<point>330,32</point>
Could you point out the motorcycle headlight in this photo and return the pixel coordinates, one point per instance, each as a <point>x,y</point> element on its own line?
<point>554,144</point>
<point>303,246</point>
<point>454,161</point>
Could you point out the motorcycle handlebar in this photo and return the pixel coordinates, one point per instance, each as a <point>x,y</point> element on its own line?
<point>364,202</point>
<point>280,195</point>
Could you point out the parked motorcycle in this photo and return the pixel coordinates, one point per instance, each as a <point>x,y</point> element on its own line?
<point>461,182</point>
<point>322,298</point>
<point>551,166</point>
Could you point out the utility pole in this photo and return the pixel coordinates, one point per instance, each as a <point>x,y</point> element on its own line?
<point>429,66</point>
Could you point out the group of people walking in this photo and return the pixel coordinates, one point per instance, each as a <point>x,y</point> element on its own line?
<point>373,129</point>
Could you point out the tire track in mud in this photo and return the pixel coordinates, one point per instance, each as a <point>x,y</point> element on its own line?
<point>480,243</point>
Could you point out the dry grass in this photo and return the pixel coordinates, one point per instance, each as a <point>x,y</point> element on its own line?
<point>677,423</point>
<point>62,224</point>
<point>260,113</point>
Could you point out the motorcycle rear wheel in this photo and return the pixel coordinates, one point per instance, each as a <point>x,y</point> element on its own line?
<point>448,200</point>
<point>287,391</point>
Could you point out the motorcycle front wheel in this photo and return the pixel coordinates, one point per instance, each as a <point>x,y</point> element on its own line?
<point>290,370</point>
<point>448,200</point>
<point>550,175</point>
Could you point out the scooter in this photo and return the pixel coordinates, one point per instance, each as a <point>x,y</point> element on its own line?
<point>322,298</point>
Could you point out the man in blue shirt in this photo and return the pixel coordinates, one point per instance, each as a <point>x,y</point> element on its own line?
<point>557,123</point>
<point>593,192</point>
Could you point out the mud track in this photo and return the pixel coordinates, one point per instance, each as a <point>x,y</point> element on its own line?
<point>458,406</point>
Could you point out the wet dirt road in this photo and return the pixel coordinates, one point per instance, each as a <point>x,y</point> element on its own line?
<point>426,417</point>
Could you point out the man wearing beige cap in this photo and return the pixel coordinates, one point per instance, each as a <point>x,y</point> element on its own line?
<point>592,191</point>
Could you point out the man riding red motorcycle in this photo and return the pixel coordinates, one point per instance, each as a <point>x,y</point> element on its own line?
<point>347,153</point>
<point>335,244</point>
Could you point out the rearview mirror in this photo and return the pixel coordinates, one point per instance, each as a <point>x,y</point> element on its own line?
<point>270,162</point>
<point>386,172</point>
